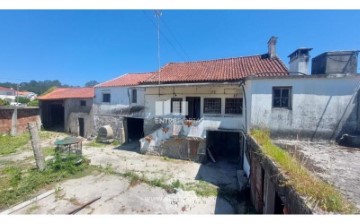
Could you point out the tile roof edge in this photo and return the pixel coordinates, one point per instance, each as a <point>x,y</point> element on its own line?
<point>216,59</point>
<point>99,85</point>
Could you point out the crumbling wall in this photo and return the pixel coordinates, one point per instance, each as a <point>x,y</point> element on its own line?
<point>116,122</point>
<point>266,180</point>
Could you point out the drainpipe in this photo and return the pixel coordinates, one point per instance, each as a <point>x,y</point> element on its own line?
<point>243,133</point>
<point>245,111</point>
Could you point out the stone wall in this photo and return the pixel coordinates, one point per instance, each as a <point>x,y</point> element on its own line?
<point>15,120</point>
<point>115,121</point>
<point>266,181</point>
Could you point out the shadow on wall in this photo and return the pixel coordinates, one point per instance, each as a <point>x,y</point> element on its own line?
<point>325,124</point>
<point>347,131</point>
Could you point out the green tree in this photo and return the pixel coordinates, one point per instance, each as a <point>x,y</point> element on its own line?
<point>4,102</point>
<point>22,100</point>
<point>91,83</point>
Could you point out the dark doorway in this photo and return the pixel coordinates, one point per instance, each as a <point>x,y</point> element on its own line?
<point>52,115</point>
<point>193,107</point>
<point>279,204</point>
<point>223,145</point>
<point>81,127</point>
<point>135,129</point>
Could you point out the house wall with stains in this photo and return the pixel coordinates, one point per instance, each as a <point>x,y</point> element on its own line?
<point>121,105</point>
<point>75,109</point>
<point>223,119</point>
<point>321,107</point>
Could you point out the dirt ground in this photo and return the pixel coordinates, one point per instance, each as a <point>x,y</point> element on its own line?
<point>119,196</point>
<point>336,164</point>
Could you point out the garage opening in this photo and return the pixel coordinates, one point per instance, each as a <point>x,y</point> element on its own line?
<point>52,115</point>
<point>135,129</point>
<point>223,145</point>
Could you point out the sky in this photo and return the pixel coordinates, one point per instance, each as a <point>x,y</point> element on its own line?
<point>76,46</point>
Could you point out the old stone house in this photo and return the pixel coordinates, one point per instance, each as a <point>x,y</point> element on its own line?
<point>119,103</point>
<point>69,110</point>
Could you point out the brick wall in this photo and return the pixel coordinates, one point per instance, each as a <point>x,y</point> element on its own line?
<point>24,116</point>
<point>5,120</point>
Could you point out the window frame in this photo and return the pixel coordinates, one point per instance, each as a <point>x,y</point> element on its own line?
<point>241,105</point>
<point>82,103</point>
<point>289,97</point>
<point>212,98</point>
<point>133,95</point>
<point>103,99</point>
<point>176,99</point>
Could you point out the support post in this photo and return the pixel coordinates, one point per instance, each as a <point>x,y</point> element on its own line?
<point>35,143</point>
<point>14,122</point>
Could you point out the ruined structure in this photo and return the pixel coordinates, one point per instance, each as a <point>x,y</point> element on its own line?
<point>119,103</point>
<point>69,110</point>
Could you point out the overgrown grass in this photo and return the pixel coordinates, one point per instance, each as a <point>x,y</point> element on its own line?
<point>317,191</point>
<point>18,184</point>
<point>9,144</point>
<point>95,143</point>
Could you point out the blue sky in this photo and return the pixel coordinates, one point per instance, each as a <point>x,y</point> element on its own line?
<point>78,45</point>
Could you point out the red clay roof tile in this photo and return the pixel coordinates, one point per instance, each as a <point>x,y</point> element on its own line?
<point>229,69</point>
<point>68,93</point>
<point>129,79</point>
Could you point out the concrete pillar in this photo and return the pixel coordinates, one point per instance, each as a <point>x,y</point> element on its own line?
<point>14,122</point>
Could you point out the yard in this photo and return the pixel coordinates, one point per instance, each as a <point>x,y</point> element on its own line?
<point>123,181</point>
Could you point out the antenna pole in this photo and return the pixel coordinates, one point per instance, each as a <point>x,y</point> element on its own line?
<point>158,14</point>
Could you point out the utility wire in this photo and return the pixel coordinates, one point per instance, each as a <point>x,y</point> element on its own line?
<point>165,37</point>
<point>176,40</point>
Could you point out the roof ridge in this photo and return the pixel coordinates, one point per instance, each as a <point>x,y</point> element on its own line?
<point>217,59</point>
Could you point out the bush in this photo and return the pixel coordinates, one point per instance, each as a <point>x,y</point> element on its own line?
<point>22,100</point>
<point>4,102</point>
<point>34,103</point>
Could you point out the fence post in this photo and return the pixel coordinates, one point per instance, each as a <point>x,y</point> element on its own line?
<point>35,143</point>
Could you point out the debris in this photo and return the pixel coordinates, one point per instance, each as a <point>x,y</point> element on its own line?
<point>83,206</point>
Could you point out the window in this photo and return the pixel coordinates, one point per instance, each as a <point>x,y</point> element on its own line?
<point>212,105</point>
<point>83,103</point>
<point>133,96</point>
<point>176,105</point>
<point>106,98</point>
<point>282,97</point>
<point>233,105</point>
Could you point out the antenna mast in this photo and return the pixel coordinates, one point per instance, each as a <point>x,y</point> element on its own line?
<point>158,14</point>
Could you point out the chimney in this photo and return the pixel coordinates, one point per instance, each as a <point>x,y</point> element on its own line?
<point>272,47</point>
<point>299,61</point>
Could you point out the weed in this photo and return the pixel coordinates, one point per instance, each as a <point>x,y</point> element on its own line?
<point>95,144</point>
<point>9,144</point>
<point>116,142</point>
<point>32,208</point>
<point>19,184</point>
<point>58,193</point>
<point>316,190</point>
<point>48,151</point>
<point>177,184</point>
<point>202,188</point>
<point>73,200</point>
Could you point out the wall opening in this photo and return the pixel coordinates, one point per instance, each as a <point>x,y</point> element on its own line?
<point>223,145</point>
<point>279,205</point>
<point>193,108</point>
<point>52,115</point>
<point>81,127</point>
<point>135,129</point>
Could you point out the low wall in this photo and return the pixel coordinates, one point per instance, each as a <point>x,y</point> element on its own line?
<point>14,120</point>
<point>268,191</point>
